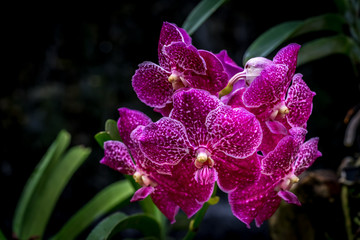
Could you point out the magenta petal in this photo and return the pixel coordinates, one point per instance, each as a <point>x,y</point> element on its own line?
<point>141,161</point>
<point>236,173</point>
<point>128,121</point>
<point>269,207</point>
<point>167,206</point>
<point>234,131</point>
<point>230,66</point>
<point>164,142</point>
<point>279,162</point>
<point>236,98</point>
<point>288,56</point>
<point>270,139</point>
<point>117,157</point>
<point>151,85</point>
<point>182,187</point>
<point>246,204</point>
<point>217,78</point>
<point>267,87</point>
<point>306,156</point>
<point>299,102</point>
<point>170,33</point>
<point>276,127</point>
<point>184,57</point>
<point>165,111</point>
<point>191,108</point>
<point>289,197</point>
<point>142,193</point>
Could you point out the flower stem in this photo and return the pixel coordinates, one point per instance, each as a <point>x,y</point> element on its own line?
<point>195,222</point>
<point>346,210</point>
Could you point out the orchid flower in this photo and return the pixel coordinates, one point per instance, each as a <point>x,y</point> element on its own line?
<point>204,141</point>
<point>181,65</point>
<point>280,170</point>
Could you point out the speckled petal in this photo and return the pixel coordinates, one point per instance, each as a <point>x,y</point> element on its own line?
<point>230,66</point>
<point>191,108</point>
<point>151,85</point>
<point>128,121</point>
<point>170,33</point>
<point>141,161</point>
<point>247,203</point>
<point>289,197</point>
<point>164,142</point>
<point>235,98</point>
<point>270,140</point>
<point>166,205</point>
<point>236,173</point>
<point>184,57</point>
<point>288,56</point>
<point>276,127</point>
<point>269,207</point>
<point>165,111</point>
<point>234,131</point>
<point>117,157</point>
<point>299,102</point>
<point>183,188</point>
<point>306,156</point>
<point>266,88</point>
<point>217,78</point>
<point>279,162</point>
<point>142,193</point>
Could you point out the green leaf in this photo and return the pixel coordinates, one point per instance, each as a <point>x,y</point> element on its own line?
<point>110,197</point>
<point>48,191</point>
<point>200,13</point>
<point>2,236</point>
<point>277,35</point>
<point>118,222</point>
<point>22,218</point>
<point>323,47</point>
<point>270,40</point>
<point>112,129</point>
<point>102,137</point>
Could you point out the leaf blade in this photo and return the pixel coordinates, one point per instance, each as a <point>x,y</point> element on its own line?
<point>270,40</point>
<point>46,196</point>
<point>118,222</point>
<point>41,172</point>
<point>275,36</point>
<point>200,13</point>
<point>101,203</point>
<point>323,47</point>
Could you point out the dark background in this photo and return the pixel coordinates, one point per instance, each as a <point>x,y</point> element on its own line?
<point>70,68</point>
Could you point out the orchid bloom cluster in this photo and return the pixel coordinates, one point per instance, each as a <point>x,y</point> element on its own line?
<point>242,129</point>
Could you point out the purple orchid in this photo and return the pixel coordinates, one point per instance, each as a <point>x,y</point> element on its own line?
<point>280,170</point>
<point>180,65</point>
<point>119,155</point>
<point>204,141</point>
<point>277,106</point>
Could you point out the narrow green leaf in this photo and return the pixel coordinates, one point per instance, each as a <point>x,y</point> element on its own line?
<point>277,35</point>
<point>112,129</point>
<point>118,222</point>
<point>110,197</point>
<point>102,137</point>
<point>36,181</point>
<point>49,190</point>
<point>200,13</point>
<point>270,40</point>
<point>2,236</point>
<point>323,47</point>
<point>327,22</point>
